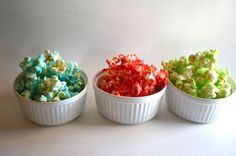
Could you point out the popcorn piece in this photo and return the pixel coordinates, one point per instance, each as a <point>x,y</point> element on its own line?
<point>59,66</point>
<point>43,98</point>
<point>49,78</point>
<point>40,64</point>
<point>52,56</point>
<point>27,63</point>
<point>127,75</point>
<point>199,75</point>
<point>26,94</point>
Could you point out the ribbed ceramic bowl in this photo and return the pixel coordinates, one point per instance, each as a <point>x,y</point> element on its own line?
<point>126,110</point>
<point>196,109</point>
<point>53,113</point>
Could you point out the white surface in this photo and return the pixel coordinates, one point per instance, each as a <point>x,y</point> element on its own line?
<point>88,32</point>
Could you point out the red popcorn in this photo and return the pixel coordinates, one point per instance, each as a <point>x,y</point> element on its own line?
<point>127,75</point>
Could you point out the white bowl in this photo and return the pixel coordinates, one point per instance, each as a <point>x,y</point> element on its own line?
<point>126,110</point>
<point>53,113</point>
<point>196,109</point>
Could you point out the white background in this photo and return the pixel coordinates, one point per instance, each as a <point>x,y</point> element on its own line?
<point>89,31</point>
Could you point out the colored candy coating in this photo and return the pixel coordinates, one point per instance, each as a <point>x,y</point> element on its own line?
<point>49,78</point>
<point>127,75</point>
<point>199,75</point>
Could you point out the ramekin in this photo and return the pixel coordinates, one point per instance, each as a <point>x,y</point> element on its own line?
<point>196,109</point>
<point>53,113</point>
<point>126,110</point>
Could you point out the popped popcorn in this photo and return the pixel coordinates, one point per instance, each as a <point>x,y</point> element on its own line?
<point>199,75</point>
<point>127,75</point>
<point>49,78</point>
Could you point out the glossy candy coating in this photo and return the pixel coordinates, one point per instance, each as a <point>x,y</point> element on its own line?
<point>127,75</point>
<point>49,78</point>
<point>199,75</point>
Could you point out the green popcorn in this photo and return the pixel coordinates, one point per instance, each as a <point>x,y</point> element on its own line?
<point>206,59</point>
<point>170,66</point>
<point>224,89</point>
<point>211,76</point>
<point>181,64</point>
<point>189,87</point>
<point>176,77</point>
<point>200,82</point>
<point>199,71</point>
<point>179,84</point>
<point>209,91</point>
<point>199,75</point>
<point>223,74</point>
<point>49,78</point>
<point>188,74</point>
<point>177,65</point>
